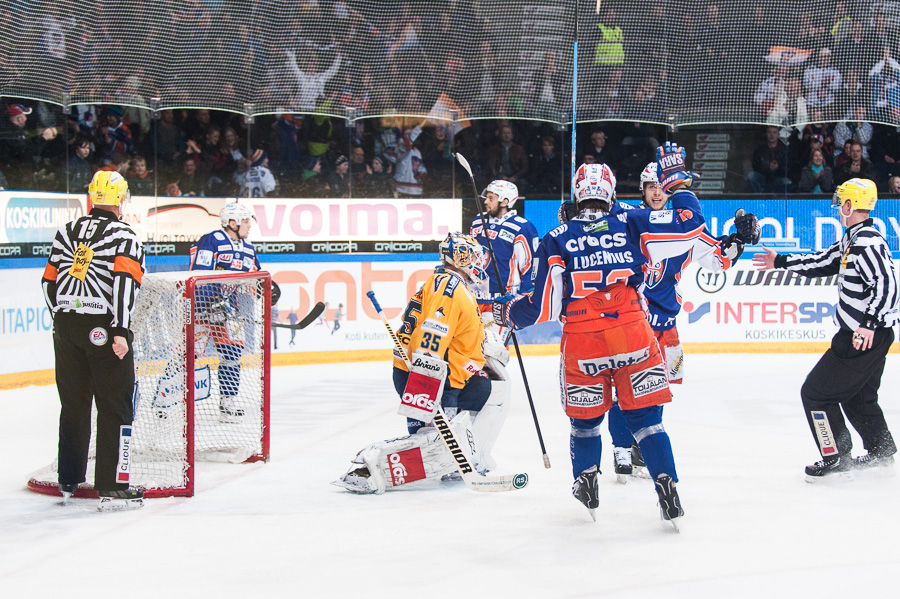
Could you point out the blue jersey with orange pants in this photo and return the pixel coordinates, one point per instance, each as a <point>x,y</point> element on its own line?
<point>588,273</point>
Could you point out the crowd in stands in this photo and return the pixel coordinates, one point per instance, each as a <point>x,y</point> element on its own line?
<point>219,154</point>
<point>821,73</point>
<point>839,75</point>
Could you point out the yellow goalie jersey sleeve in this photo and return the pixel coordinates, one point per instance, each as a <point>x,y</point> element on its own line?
<point>443,319</point>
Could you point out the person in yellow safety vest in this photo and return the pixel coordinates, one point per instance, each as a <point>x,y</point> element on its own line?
<point>610,50</point>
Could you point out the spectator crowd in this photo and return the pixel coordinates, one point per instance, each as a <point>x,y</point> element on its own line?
<point>820,73</point>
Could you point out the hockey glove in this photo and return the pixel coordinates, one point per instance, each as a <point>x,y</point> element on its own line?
<point>747,227</point>
<point>671,167</point>
<point>500,308</point>
<point>566,212</point>
<point>732,246</point>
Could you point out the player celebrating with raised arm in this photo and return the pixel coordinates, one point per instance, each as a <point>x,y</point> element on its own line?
<point>513,239</point>
<point>91,284</point>
<point>660,290</point>
<point>849,374</point>
<point>588,274</point>
<point>442,321</point>
<point>226,249</point>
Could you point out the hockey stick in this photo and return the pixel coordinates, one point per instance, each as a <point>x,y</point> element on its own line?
<point>465,164</point>
<point>473,480</point>
<point>307,320</point>
<point>575,102</point>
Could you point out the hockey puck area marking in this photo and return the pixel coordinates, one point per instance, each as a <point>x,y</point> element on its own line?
<point>98,336</point>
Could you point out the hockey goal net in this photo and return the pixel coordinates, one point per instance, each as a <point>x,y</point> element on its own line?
<point>202,360</point>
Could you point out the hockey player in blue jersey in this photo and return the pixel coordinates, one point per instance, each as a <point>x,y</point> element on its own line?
<point>663,299</point>
<point>226,249</point>
<point>588,273</point>
<point>513,239</point>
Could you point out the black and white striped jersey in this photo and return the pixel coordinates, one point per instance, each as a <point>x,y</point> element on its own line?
<point>868,280</point>
<point>95,267</point>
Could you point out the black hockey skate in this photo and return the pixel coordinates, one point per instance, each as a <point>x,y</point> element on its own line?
<point>669,503</point>
<point>636,458</point>
<point>870,460</point>
<point>67,491</point>
<point>229,412</point>
<point>586,489</point>
<point>836,466</point>
<point>120,500</point>
<point>622,463</point>
<point>639,468</point>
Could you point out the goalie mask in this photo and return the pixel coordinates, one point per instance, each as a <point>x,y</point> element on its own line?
<point>465,254</point>
<point>237,212</point>
<point>504,190</point>
<point>595,182</point>
<point>108,188</point>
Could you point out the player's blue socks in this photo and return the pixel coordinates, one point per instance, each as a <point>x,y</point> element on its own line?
<point>229,371</point>
<point>618,428</point>
<point>585,444</point>
<point>656,449</point>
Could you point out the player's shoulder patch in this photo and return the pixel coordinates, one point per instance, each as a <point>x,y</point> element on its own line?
<point>452,283</point>
<point>661,216</point>
<point>557,231</point>
<point>204,258</point>
<point>219,236</point>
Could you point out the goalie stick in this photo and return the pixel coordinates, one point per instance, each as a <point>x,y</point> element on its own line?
<point>307,320</point>
<point>473,480</point>
<point>537,426</point>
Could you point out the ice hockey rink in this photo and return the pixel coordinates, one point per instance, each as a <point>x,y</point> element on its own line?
<point>753,527</point>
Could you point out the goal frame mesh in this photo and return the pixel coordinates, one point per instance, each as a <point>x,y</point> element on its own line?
<point>44,481</point>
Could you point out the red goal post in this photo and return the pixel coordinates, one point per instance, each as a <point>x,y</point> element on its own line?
<point>202,349</point>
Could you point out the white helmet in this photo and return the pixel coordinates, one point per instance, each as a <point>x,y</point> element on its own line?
<point>595,182</point>
<point>649,175</point>
<point>504,190</point>
<point>466,254</point>
<point>234,211</point>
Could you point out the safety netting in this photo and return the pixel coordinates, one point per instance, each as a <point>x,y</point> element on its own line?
<point>672,62</point>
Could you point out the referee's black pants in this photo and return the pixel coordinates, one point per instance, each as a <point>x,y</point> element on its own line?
<point>84,371</point>
<point>848,378</point>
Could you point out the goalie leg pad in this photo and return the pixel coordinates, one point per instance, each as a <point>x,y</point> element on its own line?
<point>388,464</point>
<point>487,423</point>
<point>424,387</point>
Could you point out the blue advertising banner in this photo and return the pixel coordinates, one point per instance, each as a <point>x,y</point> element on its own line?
<point>798,225</point>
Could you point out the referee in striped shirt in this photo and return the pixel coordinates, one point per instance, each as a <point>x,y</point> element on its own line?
<point>848,375</point>
<point>90,285</point>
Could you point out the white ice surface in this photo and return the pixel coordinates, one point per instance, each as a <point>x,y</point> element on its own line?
<point>753,527</point>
